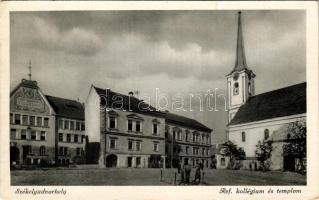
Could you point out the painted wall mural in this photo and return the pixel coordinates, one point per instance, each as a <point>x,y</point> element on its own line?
<point>30,100</point>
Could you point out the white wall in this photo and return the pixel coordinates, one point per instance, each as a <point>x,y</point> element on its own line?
<point>92,116</point>
<point>255,132</point>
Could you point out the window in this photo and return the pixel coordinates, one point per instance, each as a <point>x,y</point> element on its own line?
<point>130,145</point>
<point>194,137</point>
<point>187,150</point>
<point>187,136</point>
<point>83,137</point>
<point>33,135</point>
<point>222,162</point>
<point>130,125</point>
<point>175,135</point>
<point>32,120</point>
<point>42,150</point>
<point>11,118</point>
<point>25,119</point>
<point>179,135</point>
<point>23,134</point>
<point>13,134</point>
<point>203,151</point>
<point>82,126</point>
<point>78,126</point>
<point>155,129</point>
<point>138,161</point>
<point>60,124</point>
<point>138,126</point>
<point>112,122</point>
<point>39,121</point>
<point>61,151</point>
<point>266,134</point>
<point>68,137</point>
<point>112,143</point>
<point>194,152</point>
<point>249,88</point>
<point>236,89</point>
<point>203,139</point>
<point>46,122</point>
<point>61,137</point>
<point>17,119</point>
<point>243,137</point>
<point>138,145</point>
<point>65,151</point>
<point>66,124</point>
<point>72,125</point>
<point>76,138</point>
<point>155,146</point>
<point>78,151</point>
<point>42,135</point>
<point>207,139</point>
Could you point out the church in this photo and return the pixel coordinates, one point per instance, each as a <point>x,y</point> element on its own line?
<point>261,117</point>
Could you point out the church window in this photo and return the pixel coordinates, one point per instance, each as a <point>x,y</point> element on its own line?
<point>243,137</point>
<point>266,134</point>
<point>236,88</point>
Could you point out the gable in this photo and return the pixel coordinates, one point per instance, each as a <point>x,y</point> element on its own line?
<point>28,99</point>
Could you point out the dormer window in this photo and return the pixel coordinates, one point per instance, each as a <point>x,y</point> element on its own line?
<point>236,88</point>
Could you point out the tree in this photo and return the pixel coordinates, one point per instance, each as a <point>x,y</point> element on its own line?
<point>296,143</point>
<point>263,154</point>
<point>235,154</point>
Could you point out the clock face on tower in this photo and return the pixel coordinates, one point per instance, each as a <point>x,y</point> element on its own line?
<point>235,76</point>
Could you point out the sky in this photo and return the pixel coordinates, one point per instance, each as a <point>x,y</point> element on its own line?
<point>181,53</point>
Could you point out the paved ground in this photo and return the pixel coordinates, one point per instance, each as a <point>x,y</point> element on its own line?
<point>149,177</point>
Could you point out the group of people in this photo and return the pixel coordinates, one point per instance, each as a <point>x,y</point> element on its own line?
<point>185,172</point>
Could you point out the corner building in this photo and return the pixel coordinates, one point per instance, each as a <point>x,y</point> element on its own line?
<point>130,133</point>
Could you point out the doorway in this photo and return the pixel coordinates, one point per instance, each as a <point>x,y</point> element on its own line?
<point>111,161</point>
<point>289,163</point>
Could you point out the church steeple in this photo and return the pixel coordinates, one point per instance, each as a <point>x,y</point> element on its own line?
<point>240,62</point>
<point>240,81</point>
<point>240,51</point>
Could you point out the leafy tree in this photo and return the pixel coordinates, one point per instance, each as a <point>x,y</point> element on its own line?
<point>235,154</point>
<point>263,154</point>
<point>296,143</point>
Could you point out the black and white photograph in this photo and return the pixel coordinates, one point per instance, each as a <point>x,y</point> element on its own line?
<point>172,97</point>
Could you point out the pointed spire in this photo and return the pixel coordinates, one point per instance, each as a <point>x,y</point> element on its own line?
<point>240,62</point>
<point>240,51</point>
<point>30,74</point>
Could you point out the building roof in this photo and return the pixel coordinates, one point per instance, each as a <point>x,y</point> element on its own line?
<point>277,103</point>
<point>66,107</point>
<point>131,103</point>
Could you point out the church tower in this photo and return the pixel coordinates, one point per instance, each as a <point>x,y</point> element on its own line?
<point>240,81</point>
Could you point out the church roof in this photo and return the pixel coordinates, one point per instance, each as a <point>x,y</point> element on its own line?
<point>66,107</point>
<point>131,103</point>
<point>277,103</point>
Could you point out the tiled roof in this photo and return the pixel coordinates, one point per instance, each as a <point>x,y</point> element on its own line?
<point>131,103</point>
<point>66,107</point>
<point>277,103</point>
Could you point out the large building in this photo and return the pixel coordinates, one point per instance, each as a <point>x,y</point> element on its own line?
<point>254,118</point>
<point>44,129</point>
<point>132,133</point>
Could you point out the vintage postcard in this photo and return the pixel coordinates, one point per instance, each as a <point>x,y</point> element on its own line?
<point>156,100</point>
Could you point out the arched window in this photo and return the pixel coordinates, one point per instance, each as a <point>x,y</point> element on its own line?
<point>266,134</point>
<point>236,88</point>
<point>249,88</point>
<point>243,136</point>
<point>42,150</point>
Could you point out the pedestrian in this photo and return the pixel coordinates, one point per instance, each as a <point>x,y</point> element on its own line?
<point>187,171</point>
<point>197,174</point>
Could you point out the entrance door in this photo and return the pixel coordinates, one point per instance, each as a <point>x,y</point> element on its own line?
<point>111,161</point>
<point>289,163</point>
<point>14,155</point>
<point>129,161</point>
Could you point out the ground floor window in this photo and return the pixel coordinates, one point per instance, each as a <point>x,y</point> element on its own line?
<point>138,161</point>
<point>42,150</point>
